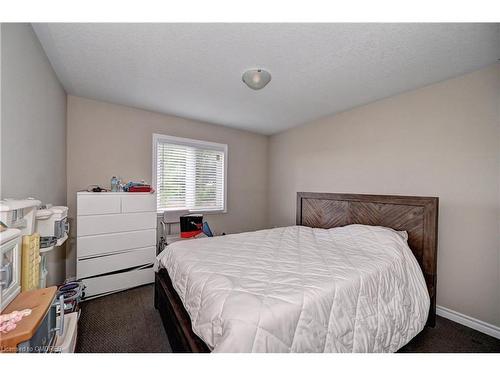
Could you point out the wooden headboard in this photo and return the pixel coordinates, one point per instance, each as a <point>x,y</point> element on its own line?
<point>416,215</point>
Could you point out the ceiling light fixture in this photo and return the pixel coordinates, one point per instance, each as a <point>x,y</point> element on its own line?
<point>256,79</point>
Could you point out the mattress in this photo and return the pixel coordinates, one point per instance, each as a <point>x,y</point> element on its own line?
<point>298,289</point>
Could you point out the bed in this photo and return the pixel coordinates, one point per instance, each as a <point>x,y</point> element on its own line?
<point>342,280</point>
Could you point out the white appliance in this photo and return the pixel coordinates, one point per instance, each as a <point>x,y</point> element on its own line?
<point>53,222</point>
<point>10,266</point>
<point>116,240</point>
<point>18,215</point>
<point>53,227</point>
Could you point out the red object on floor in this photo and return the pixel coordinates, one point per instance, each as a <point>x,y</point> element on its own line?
<point>190,234</point>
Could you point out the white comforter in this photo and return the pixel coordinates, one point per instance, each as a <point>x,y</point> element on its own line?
<point>298,289</point>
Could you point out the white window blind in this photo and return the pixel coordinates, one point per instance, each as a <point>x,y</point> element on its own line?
<point>190,174</point>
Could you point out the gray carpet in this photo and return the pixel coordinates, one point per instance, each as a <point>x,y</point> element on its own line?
<point>451,337</point>
<point>128,322</point>
<point>125,322</point>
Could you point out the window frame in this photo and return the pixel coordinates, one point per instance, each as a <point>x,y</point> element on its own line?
<point>191,143</point>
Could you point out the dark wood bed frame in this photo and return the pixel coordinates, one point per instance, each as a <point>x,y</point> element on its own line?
<point>416,215</point>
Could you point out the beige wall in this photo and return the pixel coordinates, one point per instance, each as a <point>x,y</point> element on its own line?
<point>106,139</point>
<point>33,143</point>
<point>442,140</point>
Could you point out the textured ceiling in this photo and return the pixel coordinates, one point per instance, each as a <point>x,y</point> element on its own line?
<point>194,70</point>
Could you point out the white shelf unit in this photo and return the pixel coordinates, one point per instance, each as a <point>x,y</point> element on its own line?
<point>116,241</point>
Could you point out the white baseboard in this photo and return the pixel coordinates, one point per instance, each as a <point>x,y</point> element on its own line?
<point>468,321</point>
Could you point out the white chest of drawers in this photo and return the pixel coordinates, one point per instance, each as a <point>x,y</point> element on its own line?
<point>116,241</point>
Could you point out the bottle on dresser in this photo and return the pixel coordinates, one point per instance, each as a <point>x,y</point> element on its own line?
<point>115,184</point>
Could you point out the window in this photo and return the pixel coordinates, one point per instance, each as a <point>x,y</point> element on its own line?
<point>189,174</point>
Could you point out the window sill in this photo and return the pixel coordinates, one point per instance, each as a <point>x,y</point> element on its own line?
<point>183,212</point>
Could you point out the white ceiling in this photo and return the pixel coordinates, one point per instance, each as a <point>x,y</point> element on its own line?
<point>194,70</point>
